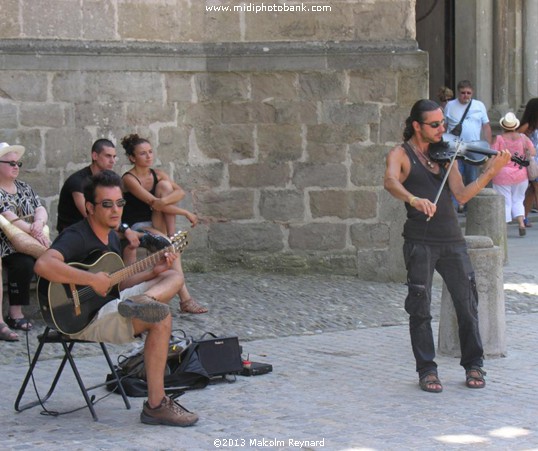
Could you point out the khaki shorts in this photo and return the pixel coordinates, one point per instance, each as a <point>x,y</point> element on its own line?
<point>108,326</point>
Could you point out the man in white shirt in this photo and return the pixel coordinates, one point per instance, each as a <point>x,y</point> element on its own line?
<point>475,126</point>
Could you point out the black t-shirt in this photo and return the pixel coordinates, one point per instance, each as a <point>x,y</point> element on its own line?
<point>68,212</point>
<point>78,243</point>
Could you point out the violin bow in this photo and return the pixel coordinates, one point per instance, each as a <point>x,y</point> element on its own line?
<point>459,142</point>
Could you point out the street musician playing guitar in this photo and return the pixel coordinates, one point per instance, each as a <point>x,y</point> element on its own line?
<point>142,305</point>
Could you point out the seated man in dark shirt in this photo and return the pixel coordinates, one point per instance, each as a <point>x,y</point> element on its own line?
<point>142,306</point>
<point>72,206</point>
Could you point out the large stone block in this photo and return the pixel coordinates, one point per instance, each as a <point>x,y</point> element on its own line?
<point>337,112</point>
<point>274,86</point>
<point>53,19</point>
<point>236,112</point>
<point>300,21</point>
<point>278,143</point>
<point>393,120</point>
<point>322,86</point>
<point>258,175</point>
<point>382,20</point>
<point>63,146</point>
<point>42,115</point>
<point>8,115</point>
<point>10,26</point>
<point>203,114</point>
<point>226,142</point>
<point>105,115</point>
<point>343,204</point>
<point>31,139</point>
<point>326,153</point>
<point>221,86</point>
<point>225,205</point>
<point>201,176</point>
<point>113,87</point>
<point>321,175</point>
<point>149,112</point>
<point>368,164</point>
<point>335,134</point>
<point>239,237</point>
<point>375,264</point>
<point>369,236</point>
<point>99,19</point>
<point>179,87</point>
<point>149,22</point>
<point>23,86</point>
<point>318,237</point>
<point>282,205</point>
<point>173,145</point>
<point>292,112</point>
<point>44,186</point>
<point>372,87</point>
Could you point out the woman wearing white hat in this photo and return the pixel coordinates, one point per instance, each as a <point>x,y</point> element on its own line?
<point>20,205</point>
<point>512,180</point>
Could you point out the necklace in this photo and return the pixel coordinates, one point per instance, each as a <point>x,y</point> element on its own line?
<point>421,156</point>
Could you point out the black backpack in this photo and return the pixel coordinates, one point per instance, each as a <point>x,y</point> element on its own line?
<point>183,370</point>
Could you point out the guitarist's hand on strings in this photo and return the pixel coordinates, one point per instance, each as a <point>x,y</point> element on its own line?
<point>101,283</point>
<point>166,263</point>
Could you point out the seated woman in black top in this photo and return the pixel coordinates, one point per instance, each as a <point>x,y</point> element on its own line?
<point>152,198</point>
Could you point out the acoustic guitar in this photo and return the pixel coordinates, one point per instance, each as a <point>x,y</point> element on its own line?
<point>69,308</point>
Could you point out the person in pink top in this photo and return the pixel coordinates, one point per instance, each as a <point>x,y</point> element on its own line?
<point>512,181</point>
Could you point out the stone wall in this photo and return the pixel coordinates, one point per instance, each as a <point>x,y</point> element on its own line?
<point>280,143</point>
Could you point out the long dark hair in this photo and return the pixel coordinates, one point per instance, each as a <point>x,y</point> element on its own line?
<point>530,115</point>
<point>417,114</point>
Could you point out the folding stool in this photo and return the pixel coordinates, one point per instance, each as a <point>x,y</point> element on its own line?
<point>50,335</point>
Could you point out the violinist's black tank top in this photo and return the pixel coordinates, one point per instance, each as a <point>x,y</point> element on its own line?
<point>443,227</point>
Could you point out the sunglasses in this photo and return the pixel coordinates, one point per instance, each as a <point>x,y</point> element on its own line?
<point>466,92</point>
<point>435,124</point>
<point>12,163</point>
<point>107,203</point>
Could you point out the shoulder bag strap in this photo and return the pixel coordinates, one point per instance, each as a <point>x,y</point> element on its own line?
<point>465,113</point>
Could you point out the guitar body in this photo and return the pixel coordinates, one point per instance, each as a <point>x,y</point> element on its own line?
<point>58,302</point>
<point>70,308</point>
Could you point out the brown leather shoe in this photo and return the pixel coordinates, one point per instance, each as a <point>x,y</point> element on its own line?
<point>144,308</point>
<point>169,413</point>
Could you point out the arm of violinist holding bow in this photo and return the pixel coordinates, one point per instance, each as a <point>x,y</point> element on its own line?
<point>464,193</point>
<point>397,170</point>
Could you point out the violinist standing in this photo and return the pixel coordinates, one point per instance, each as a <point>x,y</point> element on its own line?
<point>433,241</point>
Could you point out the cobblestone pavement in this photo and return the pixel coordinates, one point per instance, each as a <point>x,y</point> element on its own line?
<point>343,374</point>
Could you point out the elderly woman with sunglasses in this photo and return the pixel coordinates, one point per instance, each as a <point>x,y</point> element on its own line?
<point>20,205</point>
<point>152,197</point>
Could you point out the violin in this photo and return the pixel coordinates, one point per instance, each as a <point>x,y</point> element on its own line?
<point>472,153</point>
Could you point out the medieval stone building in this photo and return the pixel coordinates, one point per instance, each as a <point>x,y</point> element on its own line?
<point>276,121</point>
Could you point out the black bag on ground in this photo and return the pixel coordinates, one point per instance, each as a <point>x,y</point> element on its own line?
<point>219,355</point>
<point>183,370</point>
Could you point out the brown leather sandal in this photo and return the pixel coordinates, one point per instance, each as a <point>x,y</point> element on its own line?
<point>474,377</point>
<point>428,383</point>
<point>6,334</point>
<point>191,306</point>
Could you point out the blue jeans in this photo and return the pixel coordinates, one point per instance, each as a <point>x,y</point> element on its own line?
<point>454,265</point>
<point>468,172</point>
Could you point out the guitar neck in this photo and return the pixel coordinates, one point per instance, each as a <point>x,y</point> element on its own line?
<point>141,265</point>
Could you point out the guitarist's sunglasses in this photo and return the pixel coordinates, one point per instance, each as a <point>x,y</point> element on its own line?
<point>107,203</point>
